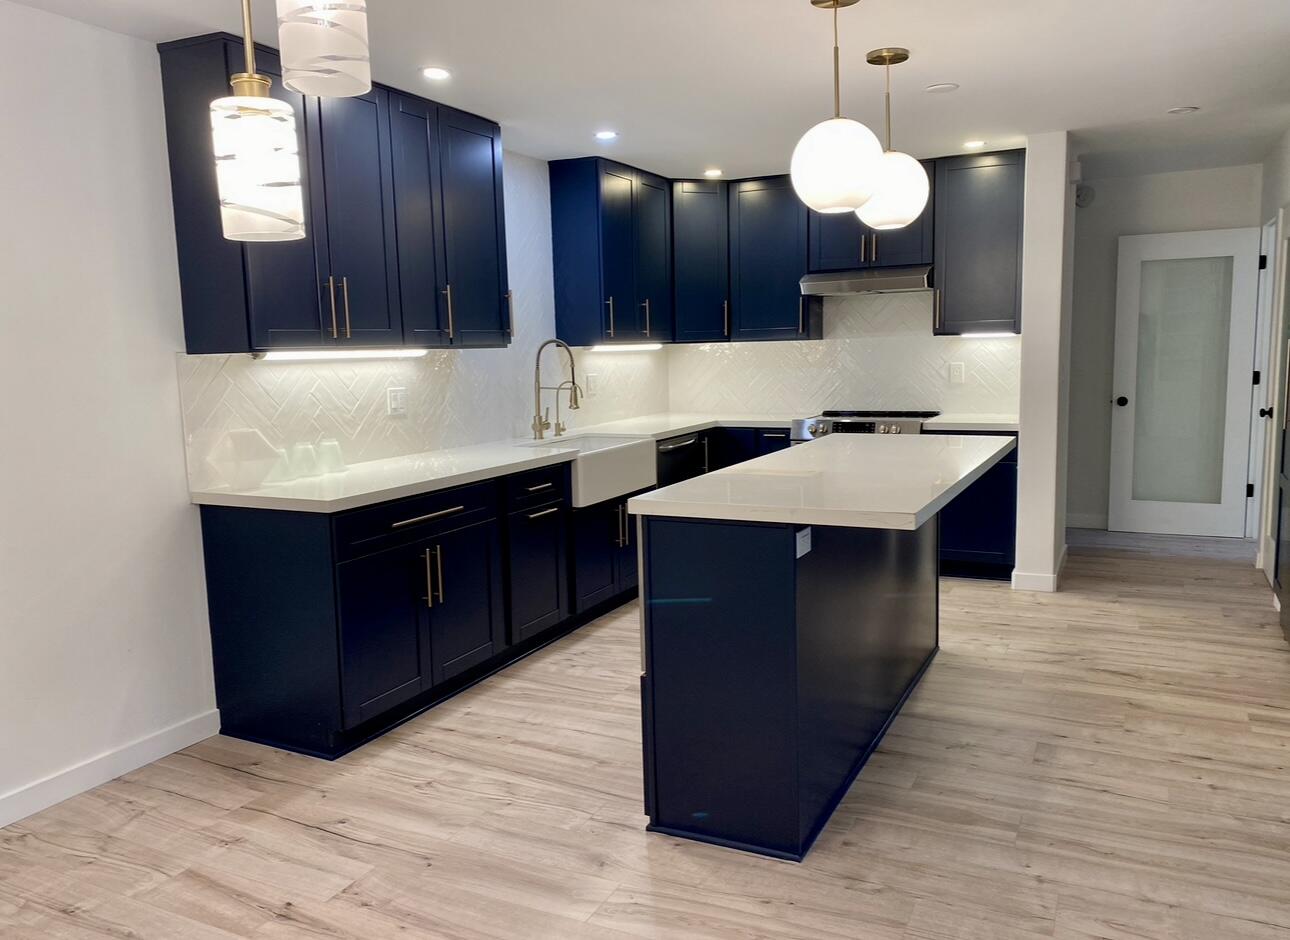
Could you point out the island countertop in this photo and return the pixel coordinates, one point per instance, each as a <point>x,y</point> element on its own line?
<point>856,480</point>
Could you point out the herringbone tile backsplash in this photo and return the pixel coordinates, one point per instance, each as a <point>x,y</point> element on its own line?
<point>878,353</point>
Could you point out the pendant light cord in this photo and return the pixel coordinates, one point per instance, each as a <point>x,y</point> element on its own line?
<point>837,81</point>
<point>248,40</point>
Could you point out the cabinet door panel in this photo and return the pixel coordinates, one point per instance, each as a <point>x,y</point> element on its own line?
<point>770,440</point>
<point>835,242</point>
<point>287,302</point>
<point>539,570</point>
<point>360,218</point>
<point>597,531</point>
<point>414,145</point>
<point>623,321</point>
<point>980,524</point>
<point>702,261</point>
<point>474,230</point>
<point>912,244</point>
<point>384,649</point>
<point>979,204</point>
<point>467,624</point>
<point>767,259</point>
<point>729,446</point>
<point>653,222</point>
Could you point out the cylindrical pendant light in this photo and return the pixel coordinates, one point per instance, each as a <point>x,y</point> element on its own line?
<point>833,164</point>
<point>257,157</point>
<point>901,189</point>
<point>324,47</point>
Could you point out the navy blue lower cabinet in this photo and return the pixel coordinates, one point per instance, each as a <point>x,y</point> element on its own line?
<point>467,621</point>
<point>604,553</point>
<point>753,736</point>
<point>979,527</point>
<point>770,440</point>
<point>729,446</point>
<point>538,552</point>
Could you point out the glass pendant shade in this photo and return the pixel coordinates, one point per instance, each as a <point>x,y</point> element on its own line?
<point>900,192</point>
<point>324,47</point>
<point>833,166</point>
<point>257,167</point>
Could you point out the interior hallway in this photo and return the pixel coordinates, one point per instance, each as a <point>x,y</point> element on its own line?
<point>1107,761</point>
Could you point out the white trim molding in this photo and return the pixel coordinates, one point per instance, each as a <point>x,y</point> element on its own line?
<point>1042,582</point>
<point>41,794</point>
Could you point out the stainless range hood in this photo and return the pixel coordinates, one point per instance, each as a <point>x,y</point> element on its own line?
<point>868,281</point>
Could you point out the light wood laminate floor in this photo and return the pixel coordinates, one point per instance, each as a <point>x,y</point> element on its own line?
<point>1109,761</point>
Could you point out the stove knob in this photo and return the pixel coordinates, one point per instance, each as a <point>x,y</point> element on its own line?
<point>895,429</point>
<point>882,429</point>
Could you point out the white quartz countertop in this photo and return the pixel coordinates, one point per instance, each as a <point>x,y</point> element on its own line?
<point>973,422</point>
<point>376,481</point>
<point>857,480</point>
<point>670,423</point>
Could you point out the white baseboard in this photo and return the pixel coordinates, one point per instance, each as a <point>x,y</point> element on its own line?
<point>1086,520</point>
<point>41,794</point>
<point>1027,581</point>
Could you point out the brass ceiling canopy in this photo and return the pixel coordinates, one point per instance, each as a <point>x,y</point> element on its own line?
<point>889,55</point>
<point>833,4</point>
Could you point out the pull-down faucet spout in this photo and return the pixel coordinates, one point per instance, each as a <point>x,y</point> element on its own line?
<point>541,423</point>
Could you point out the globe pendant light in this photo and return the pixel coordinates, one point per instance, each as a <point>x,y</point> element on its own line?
<point>257,158</point>
<point>833,165</point>
<point>900,191</point>
<point>324,47</point>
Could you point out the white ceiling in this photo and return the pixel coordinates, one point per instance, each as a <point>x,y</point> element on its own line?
<point>733,83</point>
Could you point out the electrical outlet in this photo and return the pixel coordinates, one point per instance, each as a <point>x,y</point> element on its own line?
<point>396,402</point>
<point>957,373</point>
<point>591,384</point>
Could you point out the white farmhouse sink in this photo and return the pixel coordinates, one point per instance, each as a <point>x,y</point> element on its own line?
<point>607,466</point>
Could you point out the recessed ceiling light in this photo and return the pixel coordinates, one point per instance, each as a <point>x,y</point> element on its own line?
<point>714,172</point>
<point>974,144</point>
<point>940,88</point>
<point>436,74</point>
<point>1186,109</point>
<point>606,135</point>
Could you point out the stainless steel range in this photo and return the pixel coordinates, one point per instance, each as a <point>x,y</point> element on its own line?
<point>860,422</point>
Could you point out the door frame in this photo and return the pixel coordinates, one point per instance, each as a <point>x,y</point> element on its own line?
<point>1262,394</point>
<point>1277,258</point>
<point>1125,513</point>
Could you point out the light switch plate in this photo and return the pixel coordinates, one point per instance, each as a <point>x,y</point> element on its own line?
<point>591,384</point>
<point>396,402</point>
<point>957,374</point>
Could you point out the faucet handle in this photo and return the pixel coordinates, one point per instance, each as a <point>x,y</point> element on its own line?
<point>546,418</point>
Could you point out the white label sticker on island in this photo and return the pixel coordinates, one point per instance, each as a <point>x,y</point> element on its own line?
<point>803,541</point>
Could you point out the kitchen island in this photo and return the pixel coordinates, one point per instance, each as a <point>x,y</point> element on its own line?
<point>789,607</point>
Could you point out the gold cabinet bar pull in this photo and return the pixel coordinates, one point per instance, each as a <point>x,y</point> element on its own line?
<point>873,247</point>
<point>646,306</point>
<point>331,291</point>
<point>447,292</point>
<point>427,517</point>
<point>544,512</point>
<point>429,580</point>
<point>620,527</point>
<point>438,564</point>
<point>725,315</point>
<point>862,241</point>
<point>610,303</point>
<point>539,487</point>
<point>627,529</point>
<point>801,315</point>
<point>510,313</point>
<point>936,319</point>
<point>344,290</point>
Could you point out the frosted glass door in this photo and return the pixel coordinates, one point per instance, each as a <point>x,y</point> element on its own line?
<point>1184,350</point>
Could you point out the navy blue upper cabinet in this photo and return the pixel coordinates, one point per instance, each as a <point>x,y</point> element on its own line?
<point>476,291</point>
<point>767,261</point>
<point>700,241</point>
<point>979,205</point>
<point>841,242</point>
<point>356,189</point>
<point>403,200</point>
<point>611,237</point>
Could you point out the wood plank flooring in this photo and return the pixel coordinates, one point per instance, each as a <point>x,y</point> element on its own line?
<point>1109,761</point>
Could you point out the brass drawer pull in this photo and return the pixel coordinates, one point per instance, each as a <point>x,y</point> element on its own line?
<point>873,249</point>
<point>775,435</point>
<point>438,563</point>
<point>344,290</point>
<point>447,292</point>
<point>544,512</point>
<point>427,517</point>
<point>510,313</point>
<point>646,306</point>
<point>671,447</point>
<point>725,314</point>
<point>539,487</point>
<point>331,290</point>
<point>429,580</point>
<point>610,303</point>
<point>862,242</point>
<point>801,315</point>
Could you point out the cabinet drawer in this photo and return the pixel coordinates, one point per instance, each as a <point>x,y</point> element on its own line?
<point>536,486</point>
<point>375,527</point>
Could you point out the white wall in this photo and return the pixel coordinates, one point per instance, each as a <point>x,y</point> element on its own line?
<point>104,647</point>
<point>1276,179</point>
<point>455,397</point>
<point>878,351</point>
<point>1192,200</point>
<point>1045,317</point>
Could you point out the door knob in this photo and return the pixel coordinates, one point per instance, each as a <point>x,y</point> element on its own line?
<point>1122,401</point>
<point>1265,412</point>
